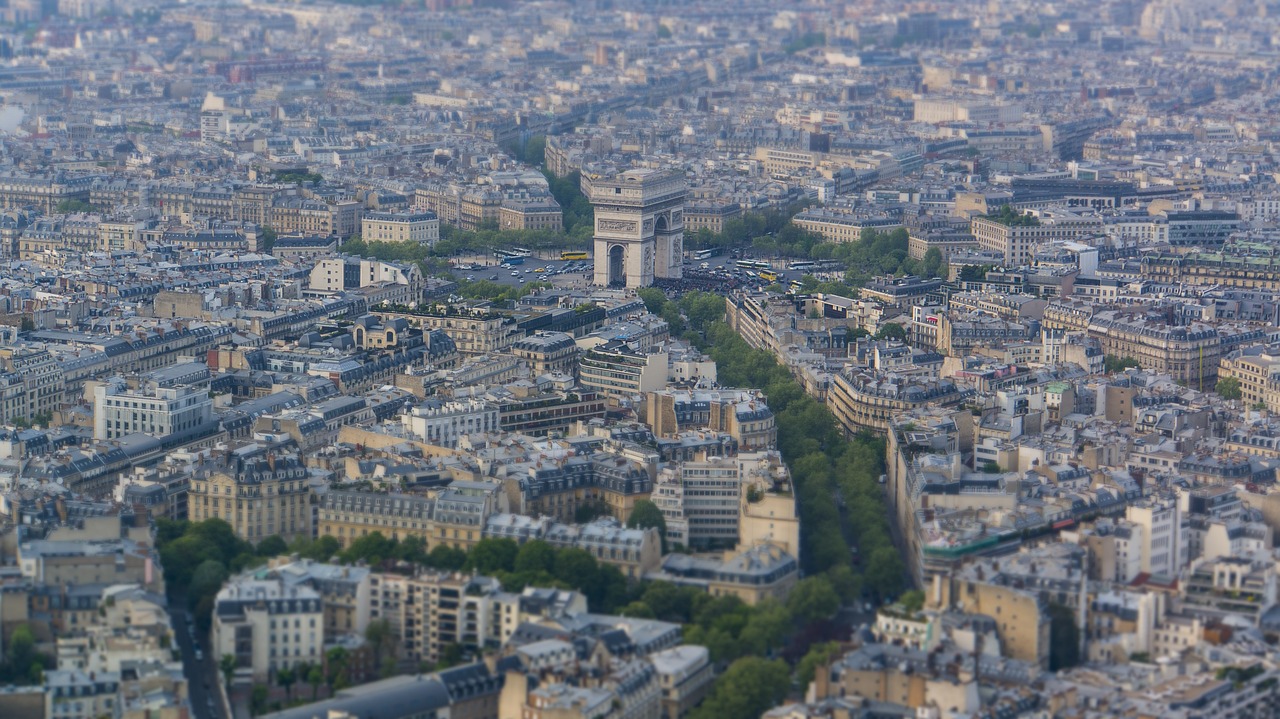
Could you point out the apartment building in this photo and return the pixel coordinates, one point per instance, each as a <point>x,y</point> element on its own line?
<point>44,193</point>
<point>432,610</point>
<point>534,213</point>
<point>685,674</point>
<point>742,414</point>
<point>260,491</point>
<point>474,332</point>
<point>420,227</point>
<point>40,377</point>
<point>172,401</point>
<point>619,372</point>
<point>1163,544</point>
<point>538,412</point>
<point>442,423</point>
<point>635,552</point>
<point>1017,239</point>
<point>353,273</point>
<point>547,352</point>
<point>753,575</point>
<point>297,215</point>
<point>1231,268</point>
<point>701,502</point>
<point>1189,352</point>
<point>834,226</point>
<point>869,401</point>
<point>709,216</point>
<point>350,515</point>
<point>267,625</point>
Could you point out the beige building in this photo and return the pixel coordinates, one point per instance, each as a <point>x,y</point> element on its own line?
<point>1259,377</point>
<point>834,226</point>
<point>296,215</point>
<point>709,216</point>
<point>261,492</point>
<point>474,332</point>
<point>862,401</point>
<point>540,213</point>
<point>420,227</point>
<point>548,352</point>
<point>1021,622</point>
<point>1017,242</point>
<point>1189,353</point>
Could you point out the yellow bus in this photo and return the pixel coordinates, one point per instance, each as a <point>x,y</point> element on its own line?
<point>573,255</point>
<point>768,275</point>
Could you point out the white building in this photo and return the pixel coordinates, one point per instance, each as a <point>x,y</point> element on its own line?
<point>169,401</point>
<point>421,227</point>
<point>700,501</point>
<point>1164,535</point>
<point>268,624</point>
<point>443,423</point>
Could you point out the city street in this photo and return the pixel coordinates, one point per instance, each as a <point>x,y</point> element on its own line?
<point>581,273</point>
<point>202,675</point>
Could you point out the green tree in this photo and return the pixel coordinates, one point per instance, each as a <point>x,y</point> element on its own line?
<point>72,206</point>
<point>272,546</point>
<point>645,514</point>
<point>287,677</point>
<point>443,556</point>
<point>26,324</point>
<point>767,627</point>
<point>818,655</point>
<point>892,331</point>
<point>322,549</point>
<point>638,610</point>
<point>748,688</point>
<point>227,665</point>
<point>206,580</point>
<point>813,598</point>
<point>912,600</point>
<point>491,555</point>
<point>451,656</point>
<point>1114,364</point>
<point>664,32</point>
<point>336,675</point>
<point>668,602</point>
<point>535,151</point>
<point>267,238</point>
<point>1229,388</point>
<point>258,700</point>
<point>315,677</point>
<point>933,264</point>
<point>412,549</point>
<point>535,556</point>
<point>654,299</point>
<point>885,571</point>
<point>381,636</point>
<point>1064,638</point>
<point>589,511</point>
<point>578,569</point>
<point>372,548</point>
<point>21,652</point>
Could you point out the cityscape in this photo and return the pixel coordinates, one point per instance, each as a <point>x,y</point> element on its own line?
<point>632,359</point>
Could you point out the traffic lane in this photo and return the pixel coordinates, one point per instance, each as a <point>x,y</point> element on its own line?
<point>582,272</point>
<point>200,674</point>
<point>527,271</point>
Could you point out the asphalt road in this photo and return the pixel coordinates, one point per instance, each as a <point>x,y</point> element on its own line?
<point>581,273</point>
<point>202,675</point>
